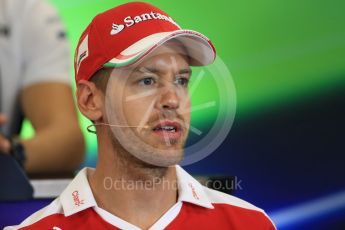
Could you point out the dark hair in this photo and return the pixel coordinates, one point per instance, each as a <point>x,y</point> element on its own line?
<point>101,77</point>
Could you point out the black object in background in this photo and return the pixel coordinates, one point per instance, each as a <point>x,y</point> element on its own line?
<point>14,184</point>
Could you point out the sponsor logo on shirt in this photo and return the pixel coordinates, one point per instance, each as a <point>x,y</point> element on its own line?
<point>76,199</point>
<point>195,195</point>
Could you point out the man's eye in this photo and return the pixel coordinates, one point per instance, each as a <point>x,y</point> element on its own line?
<point>147,81</point>
<point>182,81</point>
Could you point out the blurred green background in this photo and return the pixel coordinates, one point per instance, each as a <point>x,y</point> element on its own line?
<point>277,51</point>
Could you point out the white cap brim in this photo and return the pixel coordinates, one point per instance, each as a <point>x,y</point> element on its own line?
<point>199,48</point>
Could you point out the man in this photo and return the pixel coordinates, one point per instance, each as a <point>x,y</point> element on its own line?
<point>132,71</point>
<point>34,83</point>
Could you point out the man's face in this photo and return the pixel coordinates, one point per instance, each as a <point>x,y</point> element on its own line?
<point>154,96</point>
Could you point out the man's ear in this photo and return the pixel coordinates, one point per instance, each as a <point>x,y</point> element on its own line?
<point>90,100</point>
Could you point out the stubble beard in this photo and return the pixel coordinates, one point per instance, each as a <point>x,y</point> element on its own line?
<point>140,158</point>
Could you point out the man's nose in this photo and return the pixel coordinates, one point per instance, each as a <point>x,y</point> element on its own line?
<point>169,98</point>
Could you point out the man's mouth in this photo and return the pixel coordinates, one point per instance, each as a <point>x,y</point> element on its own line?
<point>168,130</point>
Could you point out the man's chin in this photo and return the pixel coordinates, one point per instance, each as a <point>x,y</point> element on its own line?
<point>156,152</point>
<point>161,158</point>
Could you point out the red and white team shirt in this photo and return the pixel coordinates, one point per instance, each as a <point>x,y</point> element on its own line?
<point>198,207</point>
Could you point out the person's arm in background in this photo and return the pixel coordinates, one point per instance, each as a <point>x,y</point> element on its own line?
<point>46,98</point>
<point>46,95</point>
<point>58,144</point>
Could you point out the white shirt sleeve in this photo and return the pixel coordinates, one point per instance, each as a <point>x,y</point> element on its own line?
<point>45,49</point>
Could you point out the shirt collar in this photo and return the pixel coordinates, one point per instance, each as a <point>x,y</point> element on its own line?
<point>78,195</point>
<point>190,190</point>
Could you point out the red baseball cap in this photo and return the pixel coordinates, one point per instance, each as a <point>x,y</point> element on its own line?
<point>127,33</point>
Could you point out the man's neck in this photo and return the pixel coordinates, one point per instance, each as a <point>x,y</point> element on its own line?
<point>137,193</point>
